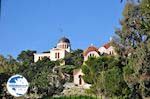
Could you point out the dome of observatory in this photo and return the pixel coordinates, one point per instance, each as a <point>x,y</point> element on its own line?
<point>64,40</point>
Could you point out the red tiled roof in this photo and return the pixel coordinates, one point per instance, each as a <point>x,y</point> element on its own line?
<point>89,49</point>
<point>107,45</point>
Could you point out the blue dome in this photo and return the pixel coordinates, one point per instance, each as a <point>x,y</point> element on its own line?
<point>64,40</point>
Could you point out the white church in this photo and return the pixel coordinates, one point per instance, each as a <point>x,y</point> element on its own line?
<point>59,52</point>
<point>92,51</point>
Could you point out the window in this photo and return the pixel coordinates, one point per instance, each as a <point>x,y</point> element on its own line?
<point>58,55</point>
<point>110,53</point>
<point>90,55</point>
<point>55,55</point>
<point>65,46</point>
<point>80,80</point>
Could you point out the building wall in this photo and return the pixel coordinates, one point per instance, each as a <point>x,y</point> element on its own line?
<point>110,50</point>
<point>102,50</point>
<point>40,56</point>
<point>92,53</point>
<point>57,54</point>
<point>65,46</point>
<point>76,78</point>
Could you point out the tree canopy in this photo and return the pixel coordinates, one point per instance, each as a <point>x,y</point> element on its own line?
<point>134,36</point>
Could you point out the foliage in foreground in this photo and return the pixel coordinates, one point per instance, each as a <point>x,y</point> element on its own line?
<point>45,76</point>
<point>106,76</point>
<point>134,47</point>
<point>72,97</point>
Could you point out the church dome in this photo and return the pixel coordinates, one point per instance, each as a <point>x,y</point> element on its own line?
<point>90,49</point>
<point>64,40</point>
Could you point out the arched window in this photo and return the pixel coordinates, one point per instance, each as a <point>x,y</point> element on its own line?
<point>55,55</point>
<point>65,46</point>
<point>110,53</point>
<point>58,55</point>
<point>90,55</point>
<point>93,55</point>
<point>80,80</point>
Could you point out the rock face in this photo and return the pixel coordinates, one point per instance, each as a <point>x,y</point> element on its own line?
<point>71,89</point>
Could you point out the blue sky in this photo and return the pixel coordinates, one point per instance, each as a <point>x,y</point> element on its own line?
<point>38,24</point>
